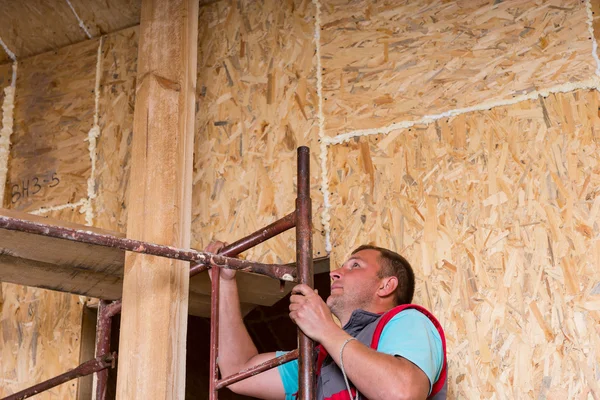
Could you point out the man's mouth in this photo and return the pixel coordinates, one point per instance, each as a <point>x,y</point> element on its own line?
<point>334,286</point>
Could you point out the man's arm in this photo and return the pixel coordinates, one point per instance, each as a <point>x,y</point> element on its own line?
<point>236,349</point>
<point>376,375</point>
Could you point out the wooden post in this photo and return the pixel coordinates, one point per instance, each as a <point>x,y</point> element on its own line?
<point>155,290</point>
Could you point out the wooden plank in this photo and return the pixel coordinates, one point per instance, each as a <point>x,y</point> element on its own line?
<point>155,290</point>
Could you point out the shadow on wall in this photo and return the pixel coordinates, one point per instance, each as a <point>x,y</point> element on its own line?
<point>270,328</point>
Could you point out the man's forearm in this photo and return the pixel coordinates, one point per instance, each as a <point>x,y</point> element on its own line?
<point>236,346</point>
<point>376,375</point>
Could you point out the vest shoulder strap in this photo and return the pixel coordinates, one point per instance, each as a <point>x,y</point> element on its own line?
<point>439,384</point>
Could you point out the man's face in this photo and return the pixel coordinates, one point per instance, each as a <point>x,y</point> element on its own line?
<point>355,283</point>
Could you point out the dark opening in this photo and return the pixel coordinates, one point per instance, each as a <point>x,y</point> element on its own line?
<point>270,328</point>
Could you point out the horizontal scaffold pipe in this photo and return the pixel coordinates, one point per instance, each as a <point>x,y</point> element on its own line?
<point>276,271</point>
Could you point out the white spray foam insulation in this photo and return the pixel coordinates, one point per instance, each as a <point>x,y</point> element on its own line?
<point>79,20</point>
<point>590,22</point>
<point>8,106</point>
<point>11,55</point>
<point>92,137</point>
<point>44,210</point>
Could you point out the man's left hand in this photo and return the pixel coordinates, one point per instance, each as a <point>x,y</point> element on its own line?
<point>310,313</point>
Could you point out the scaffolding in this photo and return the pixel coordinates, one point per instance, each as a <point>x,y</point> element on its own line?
<point>300,219</point>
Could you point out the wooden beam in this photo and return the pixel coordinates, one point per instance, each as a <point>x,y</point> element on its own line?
<point>155,290</point>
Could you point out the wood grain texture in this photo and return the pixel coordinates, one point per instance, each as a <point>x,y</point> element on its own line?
<point>155,289</point>
<point>498,213</point>
<point>39,339</point>
<point>53,113</point>
<point>257,103</point>
<point>385,62</point>
<point>33,27</point>
<point>37,26</point>
<point>107,16</point>
<point>116,106</point>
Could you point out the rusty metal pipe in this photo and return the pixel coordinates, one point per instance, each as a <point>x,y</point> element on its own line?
<point>261,235</point>
<point>87,368</point>
<point>275,271</point>
<point>257,369</point>
<point>304,261</point>
<point>103,333</point>
<point>112,309</point>
<point>214,333</point>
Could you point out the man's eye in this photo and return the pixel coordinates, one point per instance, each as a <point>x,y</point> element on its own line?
<point>355,265</point>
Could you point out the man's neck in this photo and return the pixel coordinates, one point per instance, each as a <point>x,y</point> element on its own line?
<point>375,309</point>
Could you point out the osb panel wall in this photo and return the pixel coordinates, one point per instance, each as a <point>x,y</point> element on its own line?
<point>39,339</point>
<point>49,163</point>
<point>385,62</point>
<point>257,103</point>
<point>49,166</point>
<point>117,102</point>
<point>498,213</point>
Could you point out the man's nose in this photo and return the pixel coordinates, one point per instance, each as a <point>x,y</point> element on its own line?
<point>336,274</point>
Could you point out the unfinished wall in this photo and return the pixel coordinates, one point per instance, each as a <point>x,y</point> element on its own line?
<point>257,103</point>
<point>403,60</point>
<point>495,206</point>
<point>49,168</point>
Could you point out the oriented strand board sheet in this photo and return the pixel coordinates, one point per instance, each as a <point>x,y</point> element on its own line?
<point>102,17</point>
<point>498,213</point>
<point>117,102</point>
<point>256,104</point>
<point>49,163</point>
<point>39,339</point>
<point>35,26</point>
<point>385,62</point>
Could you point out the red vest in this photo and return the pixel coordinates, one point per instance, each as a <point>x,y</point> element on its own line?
<point>367,328</point>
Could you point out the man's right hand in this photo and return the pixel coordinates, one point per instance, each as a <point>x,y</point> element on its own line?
<point>215,247</point>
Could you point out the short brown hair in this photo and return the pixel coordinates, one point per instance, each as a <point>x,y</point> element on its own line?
<point>393,264</point>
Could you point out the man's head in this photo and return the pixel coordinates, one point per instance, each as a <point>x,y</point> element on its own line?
<point>373,279</point>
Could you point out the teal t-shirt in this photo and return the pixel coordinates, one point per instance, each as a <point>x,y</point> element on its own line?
<point>409,334</point>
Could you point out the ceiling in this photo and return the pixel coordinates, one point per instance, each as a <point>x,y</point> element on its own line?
<point>31,27</point>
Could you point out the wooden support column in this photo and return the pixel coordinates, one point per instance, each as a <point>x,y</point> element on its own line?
<point>155,289</point>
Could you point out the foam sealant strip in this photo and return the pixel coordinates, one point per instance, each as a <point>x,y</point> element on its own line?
<point>323,146</point>
<point>92,137</point>
<point>11,55</point>
<point>590,22</point>
<point>44,210</point>
<point>8,106</point>
<point>79,20</point>
<point>591,83</point>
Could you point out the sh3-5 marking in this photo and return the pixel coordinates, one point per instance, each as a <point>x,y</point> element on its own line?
<point>32,186</point>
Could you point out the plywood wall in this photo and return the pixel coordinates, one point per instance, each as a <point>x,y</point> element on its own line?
<point>49,163</point>
<point>390,61</point>
<point>257,103</point>
<point>116,105</point>
<point>497,211</point>
<point>39,339</point>
<point>49,167</point>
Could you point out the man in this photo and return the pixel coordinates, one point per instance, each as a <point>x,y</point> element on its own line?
<point>387,351</point>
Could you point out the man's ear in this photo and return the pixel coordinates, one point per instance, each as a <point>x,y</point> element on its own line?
<point>388,286</point>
